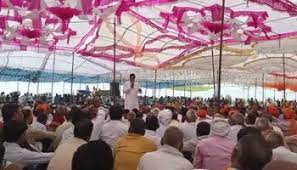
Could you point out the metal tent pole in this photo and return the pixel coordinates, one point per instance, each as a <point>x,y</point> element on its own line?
<point>284,76</point>
<point>145,93</point>
<point>213,71</point>
<point>248,94</point>
<point>37,86</point>
<point>114,60</point>
<point>256,89</point>
<point>18,85</point>
<point>53,76</point>
<point>185,89</point>
<point>72,78</point>
<point>191,88</point>
<point>274,94</point>
<point>80,84</point>
<point>173,84</point>
<point>159,93</point>
<point>97,82</point>
<point>263,88</point>
<point>28,89</point>
<point>221,52</point>
<point>155,84</point>
<point>63,90</point>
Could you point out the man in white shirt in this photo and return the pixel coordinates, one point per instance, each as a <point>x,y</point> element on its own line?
<point>98,123</point>
<point>61,129</point>
<point>152,124</point>
<point>131,90</point>
<point>236,122</point>
<point>280,152</point>
<point>189,127</point>
<point>169,156</point>
<point>15,137</point>
<point>113,129</point>
<point>165,117</point>
<point>40,122</point>
<point>62,158</point>
<point>76,115</point>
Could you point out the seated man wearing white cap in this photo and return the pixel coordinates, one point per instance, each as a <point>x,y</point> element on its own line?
<point>165,117</point>
<point>214,153</point>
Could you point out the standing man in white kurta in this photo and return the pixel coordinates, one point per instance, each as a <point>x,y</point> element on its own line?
<point>131,90</point>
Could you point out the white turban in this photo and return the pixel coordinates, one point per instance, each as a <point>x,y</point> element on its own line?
<point>220,127</point>
<point>165,117</point>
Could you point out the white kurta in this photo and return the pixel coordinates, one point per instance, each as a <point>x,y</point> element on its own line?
<point>234,131</point>
<point>112,131</point>
<point>131,96</point>
<point>40,126</point>
<point>15,154</point>
<point>165,158</point>
<point>189,130</point>
<point>98,124</point>
<point>283,154</point>
<point>152,135</point>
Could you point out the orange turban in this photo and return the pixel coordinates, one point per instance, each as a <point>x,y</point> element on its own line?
<point>273,110</point>
<point>202,113</point>
<point>289,113</point>
<point>43,108</point>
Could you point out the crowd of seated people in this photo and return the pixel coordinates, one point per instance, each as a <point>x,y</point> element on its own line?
<point>171,134</point>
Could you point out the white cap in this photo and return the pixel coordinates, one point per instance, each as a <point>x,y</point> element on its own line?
<point>165,116</point>
<point>220,127</point>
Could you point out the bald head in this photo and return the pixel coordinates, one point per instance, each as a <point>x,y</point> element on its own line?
<point>191,116</point>
<point>173,137</point>
<point>237,119</point>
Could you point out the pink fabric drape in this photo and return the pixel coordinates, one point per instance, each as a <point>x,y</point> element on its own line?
<point>65,14</point>
<point>279,5</point>
<point>86,6</point>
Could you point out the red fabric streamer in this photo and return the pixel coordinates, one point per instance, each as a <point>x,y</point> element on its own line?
<point>2,22</point>
<point>65,14</point>
<point>30,33</point>
<point>215,27</point>
<point>216,11</point>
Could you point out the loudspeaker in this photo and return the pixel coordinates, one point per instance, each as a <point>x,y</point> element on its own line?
<point>115,89</point>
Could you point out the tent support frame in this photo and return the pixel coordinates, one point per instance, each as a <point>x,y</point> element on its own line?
<point>221,52</point>
<point>213,71</point>
<point>284,76</point>
<point>53,76</point>
<point>72,78</point>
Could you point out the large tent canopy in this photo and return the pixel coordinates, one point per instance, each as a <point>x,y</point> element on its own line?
<point>173,39</point>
